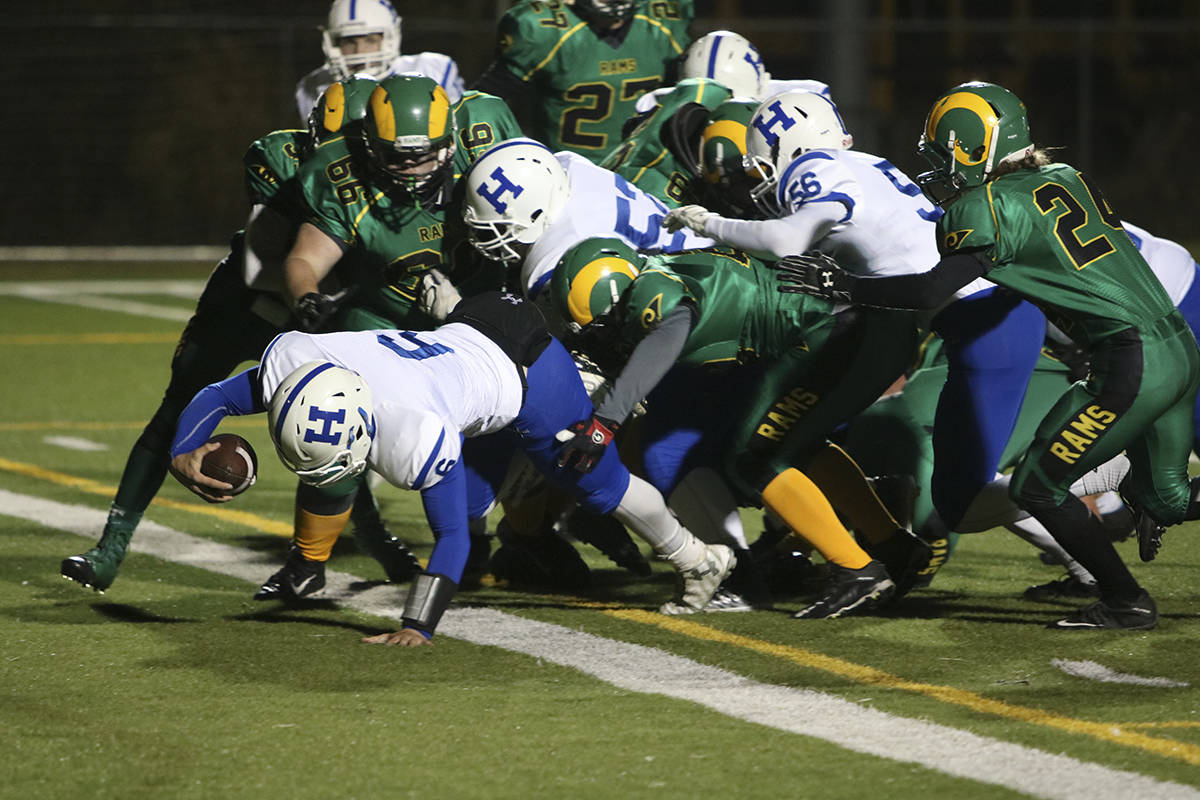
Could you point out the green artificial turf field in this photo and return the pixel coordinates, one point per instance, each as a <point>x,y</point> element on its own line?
<point>175,683</point>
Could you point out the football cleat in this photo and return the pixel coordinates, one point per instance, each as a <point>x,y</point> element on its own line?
<point>97,568</point>
<point>700,583</point>
<point>904,555</point>
<point>1149,535</point>
<point>543,559</point>
<point>1068,587</point>
<point>1138,615</point>
<point>398,562</point>
<point>609,536</point>
<point>851,591</point>
<point>297,579</point>
<point>727,600</point>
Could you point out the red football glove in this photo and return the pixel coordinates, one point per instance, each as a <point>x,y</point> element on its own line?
<point>585,442</point>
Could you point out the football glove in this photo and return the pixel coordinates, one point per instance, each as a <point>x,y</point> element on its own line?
<point>694,217</point>
<point>436,295</point>
<point>585,442</point>
<point>813,273</point>
<point>313,309</point>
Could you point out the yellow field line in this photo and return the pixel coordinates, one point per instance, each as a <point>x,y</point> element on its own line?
<point>89,486</point>
<point>1104,731</point>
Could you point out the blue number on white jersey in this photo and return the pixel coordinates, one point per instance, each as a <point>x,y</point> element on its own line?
<point>424,349</point>
<point>907,187</point>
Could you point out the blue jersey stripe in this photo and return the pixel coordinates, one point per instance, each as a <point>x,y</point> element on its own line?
<point>437,448</point>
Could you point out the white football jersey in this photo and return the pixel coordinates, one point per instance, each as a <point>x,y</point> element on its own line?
<point>441,68</point>
<point>602,204</point>
<point>429,387</point>
<point>1171,262</point>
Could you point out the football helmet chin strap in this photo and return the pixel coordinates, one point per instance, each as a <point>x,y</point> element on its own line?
<point>428,598</point>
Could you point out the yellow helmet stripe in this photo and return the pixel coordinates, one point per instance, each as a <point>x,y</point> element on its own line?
<point>381,110</point>
<point>579,298</point>
<point>977,106</point>
<point>439,111</point>
<point>735,132</point>
<point>335,108</point>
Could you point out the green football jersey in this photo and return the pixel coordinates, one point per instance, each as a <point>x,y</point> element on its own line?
<point>740,316</point>
<point>586,86</point>
<point>1056,242</point>
<point>270,163</point>
<point>644,158</point>
<point>482,120</point>
<point>394,240</point>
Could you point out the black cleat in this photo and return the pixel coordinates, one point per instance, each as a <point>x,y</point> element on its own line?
<point>544,559</point>
<point>1137,615</point>
<point>851,591</point>
<point>904,555</point>
<point>398,562</point>
<point>1068,587</point>
<point>1149,535</point>
<point>604,533</point>
<point>298,578</point>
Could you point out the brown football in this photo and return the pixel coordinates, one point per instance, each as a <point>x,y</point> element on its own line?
<point>233,462</point>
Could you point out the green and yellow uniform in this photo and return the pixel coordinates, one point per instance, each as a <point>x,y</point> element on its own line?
<point>1053,239</point>
<point>649,157</point>
<point>394,238</point>
<point>587,84</point>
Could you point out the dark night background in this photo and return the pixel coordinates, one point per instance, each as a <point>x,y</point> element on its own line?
<point>126,121</point>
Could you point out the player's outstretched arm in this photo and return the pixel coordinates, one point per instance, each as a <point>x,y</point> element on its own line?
<point>233,396</point>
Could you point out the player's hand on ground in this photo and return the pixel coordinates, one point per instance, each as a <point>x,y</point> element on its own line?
<point>406,637</point>
<point>694,217</point>
<point>585,442</point>
<point>186,467</point>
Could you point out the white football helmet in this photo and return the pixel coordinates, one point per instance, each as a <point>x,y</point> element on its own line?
<point>513,192</point>
<point>783,128</point>
<point>729,58</point>
<point>350,18</point>
<point>322,422</point>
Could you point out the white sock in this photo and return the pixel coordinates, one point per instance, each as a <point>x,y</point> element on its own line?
<point>1036,534</point>
<point>644,512</point>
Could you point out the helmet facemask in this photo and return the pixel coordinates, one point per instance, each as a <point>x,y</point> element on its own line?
<point>408,137</point>
<point>513,193</point>
<point>606,12</point>
<point>970,131</point>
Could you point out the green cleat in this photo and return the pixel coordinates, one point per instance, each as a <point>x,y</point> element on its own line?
<point>97,568</point>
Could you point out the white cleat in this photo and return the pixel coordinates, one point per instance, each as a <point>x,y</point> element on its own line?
<point>702,581</point>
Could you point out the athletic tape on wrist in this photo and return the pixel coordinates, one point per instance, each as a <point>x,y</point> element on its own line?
<point>428,598</point>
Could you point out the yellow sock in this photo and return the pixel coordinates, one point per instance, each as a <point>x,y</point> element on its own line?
<point>315,533</point>
<point>799,503</point>
<point>845,486</point>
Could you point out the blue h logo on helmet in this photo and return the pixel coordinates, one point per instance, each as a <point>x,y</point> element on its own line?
<point>494,196</point>
<point>765,126</point>
<point>326,418</point>
<point>754,59</point>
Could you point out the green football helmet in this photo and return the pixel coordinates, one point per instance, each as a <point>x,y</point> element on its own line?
<point>340,107</point>
<point>590,279</point>
<point>722,149</point>
<point>408,134</point>
<point>606,12</point>
<point>971,129</point>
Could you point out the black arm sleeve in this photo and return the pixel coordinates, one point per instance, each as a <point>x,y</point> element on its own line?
<point>499,80</point>
<point>651,360</point>
<point>924,290</point>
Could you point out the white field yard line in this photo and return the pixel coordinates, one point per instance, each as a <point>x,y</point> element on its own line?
<point>652,671</point>
<point>92,294</point>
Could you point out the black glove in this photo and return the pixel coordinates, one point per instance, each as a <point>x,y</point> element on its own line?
<point>813,273</point>
<point>585,442</point>
<point>313,309</point>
